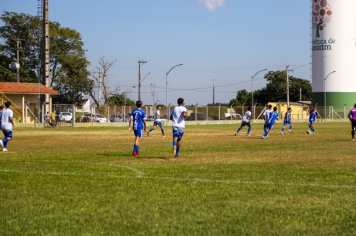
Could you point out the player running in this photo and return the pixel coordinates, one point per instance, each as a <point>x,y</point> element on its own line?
<point>157,122</point>
<point>272,117</point>
<point>246,121</point>
<point>1,110</point>
<point>7,123</point>
<point>138,117</point>
<point>288,120</point>
<point>352,117</point>
<point>178,115</point>
<point>312,115</point>
<point>266,116</point>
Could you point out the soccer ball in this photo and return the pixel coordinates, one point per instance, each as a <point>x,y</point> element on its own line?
<point>308,132</point>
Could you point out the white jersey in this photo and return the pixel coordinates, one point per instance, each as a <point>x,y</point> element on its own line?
<point>6,124</point>
<point>266,115</point>
<point>157,116</point>
<point>178,118</point>
<point>246,117</point>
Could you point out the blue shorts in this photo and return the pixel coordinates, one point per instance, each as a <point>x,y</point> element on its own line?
<point>178,133</point>
<point>287,122</point>
<point>8,134</point>
<point>138,133</point>
<point>157,123</point>
<point>268,126</point>
<point>245,123</point>
<point>311,122</point>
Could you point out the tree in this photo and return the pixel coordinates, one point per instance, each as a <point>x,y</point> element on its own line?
<point>276,90</point>
<point>119,100</point>
<point>154,94</point>
<point>103,78</point>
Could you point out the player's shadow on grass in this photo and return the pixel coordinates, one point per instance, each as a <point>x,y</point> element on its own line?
<point>148,157</point>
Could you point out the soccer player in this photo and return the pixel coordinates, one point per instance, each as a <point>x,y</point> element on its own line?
<point>157,122</point>
<point>272,117</point>
<point>178,115</point>
<point>352,117</point>
<point>138,117</point>
<point>266,117</point>
<point>246,121</point>
<point>1,110</point>
<point>7,123</point>
<point>312,115</point>
<point>288,120</point>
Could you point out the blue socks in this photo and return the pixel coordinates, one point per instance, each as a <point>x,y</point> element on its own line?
<point>151,130</point>
<point>282,130</point>
<point>312,129</point>
<point>174,144</point>
<point>136,148</point>
<point>265,130</point>
<point>177,151</point>
<point>5,140</point>
<point>249,129</point>
<point>238,130</point>
<point>266,133</point>
<point>290,128</point>
<point>162,131</point>
<point>5,145</point>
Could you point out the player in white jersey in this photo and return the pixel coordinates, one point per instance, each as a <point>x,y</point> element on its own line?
<point>157,122</point>
<point>7,123</point>
<point>178,115</point>
<point>246,121</point>
<point>266,115</point>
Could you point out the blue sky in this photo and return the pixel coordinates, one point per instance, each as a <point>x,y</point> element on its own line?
<point>222,40</point>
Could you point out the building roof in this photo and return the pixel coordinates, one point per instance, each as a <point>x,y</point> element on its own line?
<point>24,88</point>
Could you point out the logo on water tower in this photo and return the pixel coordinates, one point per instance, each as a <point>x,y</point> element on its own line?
<point>321,15</point>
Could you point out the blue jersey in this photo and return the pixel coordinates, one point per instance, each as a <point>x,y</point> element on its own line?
<point>272,117</point>
<point>138,116</point>
<point>287,116</point>
<point>313,115</point>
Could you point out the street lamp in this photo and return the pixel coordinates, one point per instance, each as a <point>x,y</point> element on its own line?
<point>252,86</point>
<point>325,94</point>
<point>167,87</point>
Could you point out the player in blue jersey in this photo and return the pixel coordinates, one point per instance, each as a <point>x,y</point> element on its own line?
<point>178,117</point>
<point>266,116</point>
<point>246,121</point>
<point>138,118</point>
<point>1,110</point>
<point>288,120</point>
<point>272,117</point>
<point>312,115</point>
<point>7,123</point>
<point>157,122</point>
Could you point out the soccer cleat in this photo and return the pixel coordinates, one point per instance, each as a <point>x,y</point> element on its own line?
<point>163,136</point>
<point>174,150</point>
<point>281,133</point>
<point>134,154</point>
<point>1,144</point>
<point>138,153</point>
<point>148,133</point>
<point>353,140</point>
<point>264,137</point>
<point>5,150</point>
<point>235,134</point>
<point>290,131</point>
<point>313,132</point>
<point>248,135</point>
<point>176,156</point>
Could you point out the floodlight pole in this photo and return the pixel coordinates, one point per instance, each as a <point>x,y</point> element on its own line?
<point>252,86</point>
<point>167,88</point>
<point>325,94</point>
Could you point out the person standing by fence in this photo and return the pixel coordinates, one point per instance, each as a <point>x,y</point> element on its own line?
<point>352,117</point>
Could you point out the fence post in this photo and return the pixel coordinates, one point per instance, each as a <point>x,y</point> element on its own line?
<point>196,115</point>
<point>207,112</point>
<point>107,119</point>
<point>42,117</point>
<point>219,112</point>
<point>124,114</point>
<point>231,112</point>
<point>73,115</point>
<point>129,109</point>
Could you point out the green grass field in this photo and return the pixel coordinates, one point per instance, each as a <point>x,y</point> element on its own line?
<point>84,181</point>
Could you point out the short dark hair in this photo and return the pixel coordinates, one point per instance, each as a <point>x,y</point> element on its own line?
<point>139,104</point>
<point>1,107</point>
<point>270,106</point>
<point>249,108</point>
<point>275,109</point>
<point>180,101</point>
<point>7,104</point>
<point>289,108</point>
<point>355,105</point>
<point>158,106</point>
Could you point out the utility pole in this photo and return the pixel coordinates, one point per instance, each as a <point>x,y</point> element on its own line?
<point>213,93</point>
<point>287,87</point>
<point>139,78</point>
<point>99,94</point>
<point>300,90</point>
<point>18,58</point>
<point>46,54</point>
